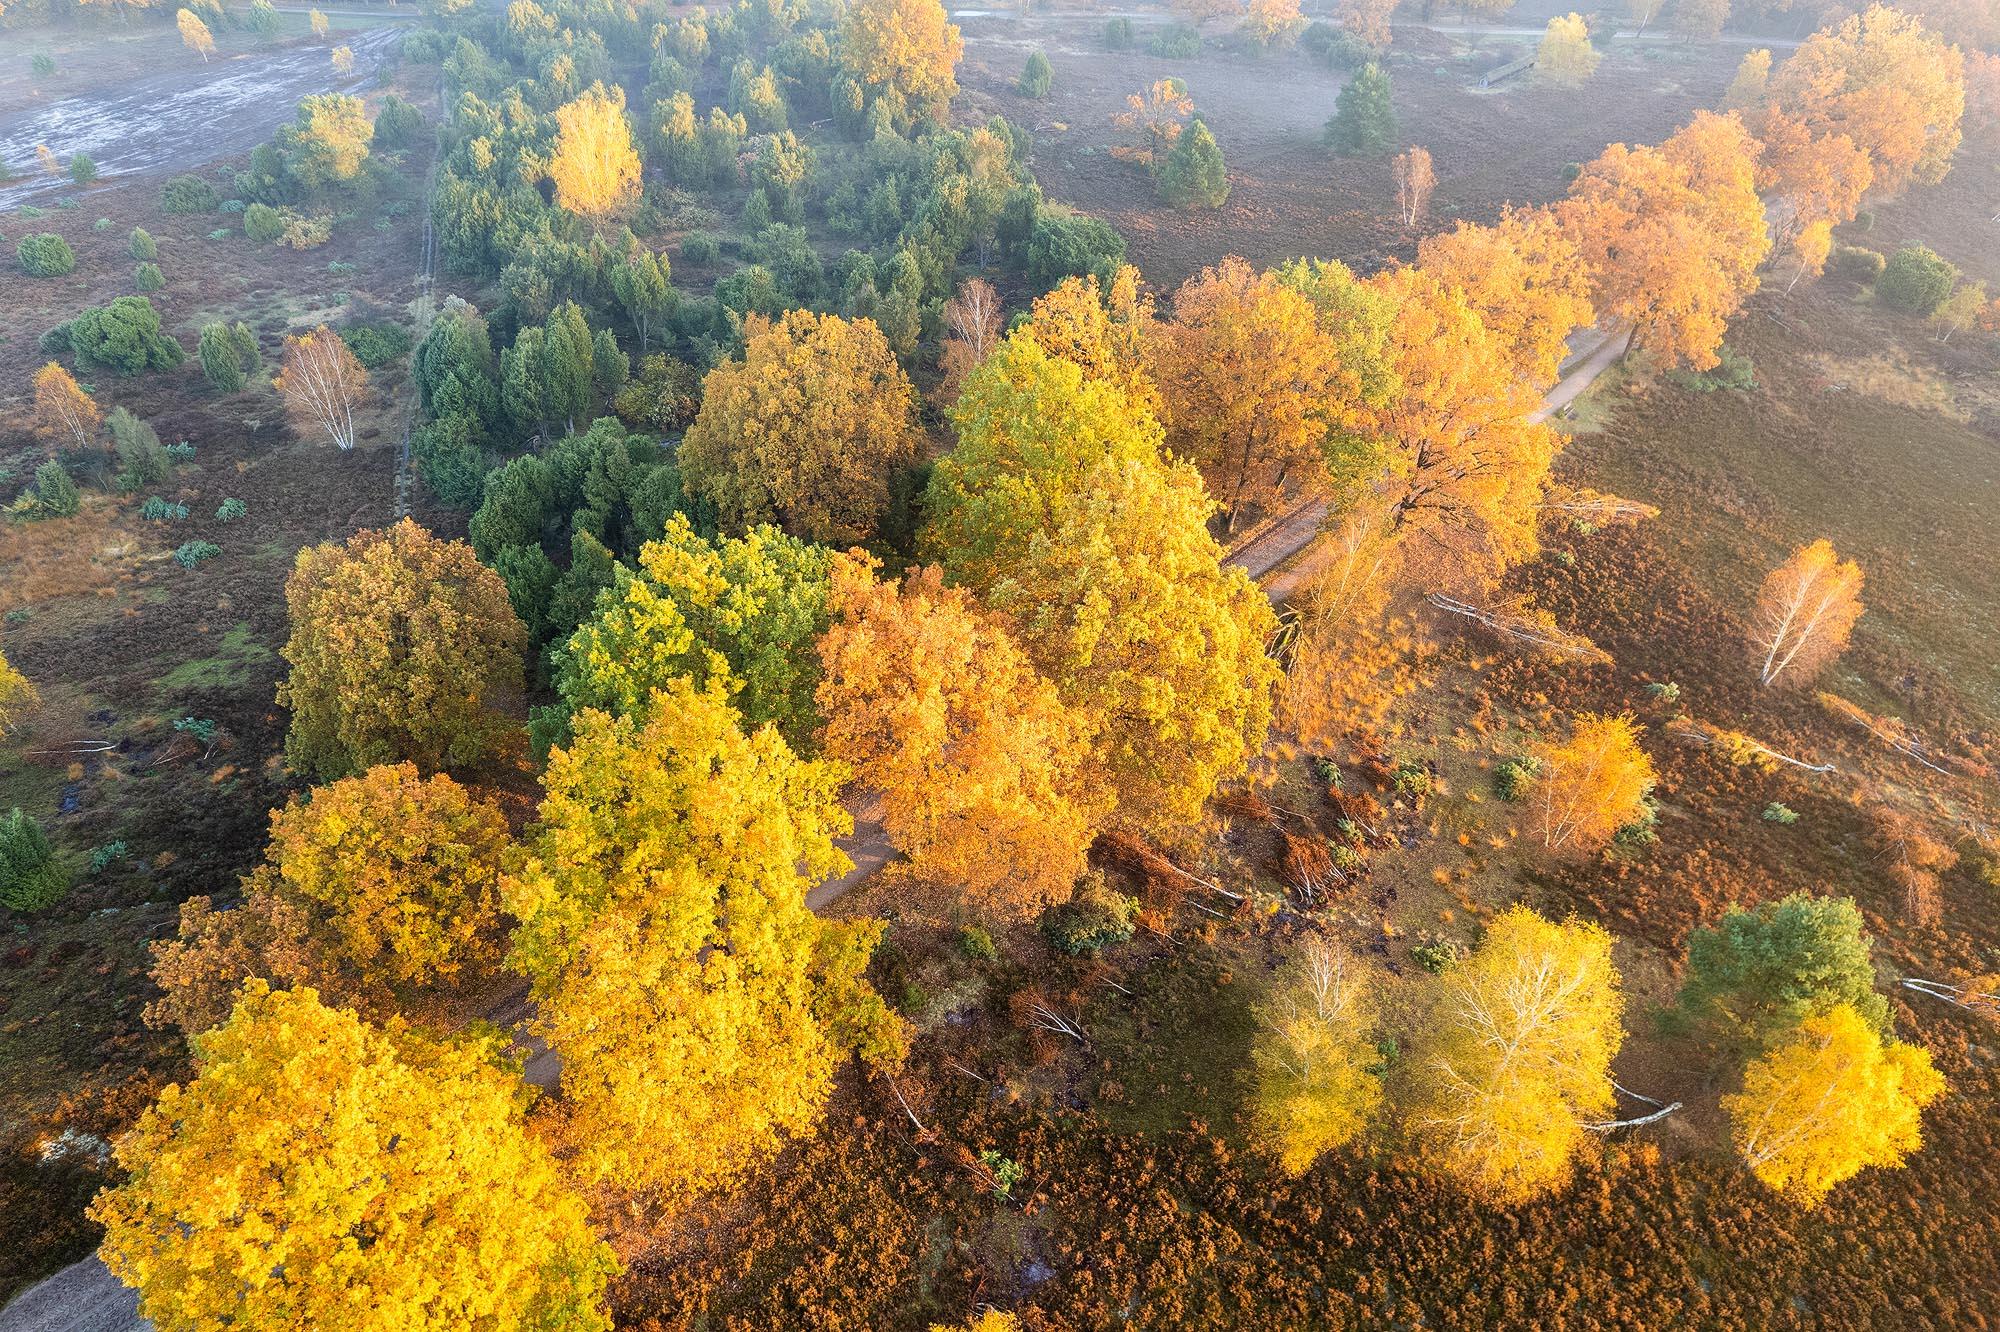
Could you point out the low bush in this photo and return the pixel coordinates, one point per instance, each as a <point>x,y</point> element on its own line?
<point>82,170</point>
<point>141,460</point>
<point>31,878</point>
<point>1732,370</point>
<point>1512,775</point>
<point>1036,77</point>
<point>230,510</point>
<point>160,510</point>
<point>1175,42</point>
<point>148,277</point>
<point>1857,263</point>
<point>1118,34</point>
<point>45,254</point>
<point>701,247</point>
<point>1065,244</point>
<point>54,495</point>
<point>977,944</point>
<point>188,194</point>
<point>124,335</point>
<point>262,223</point>
<point>192,553</point>
<point>397,123</point>
<point>1096,918</point>
<point>375,344</point>
<point>1780,813</point>
<point>142,245</point>
<point>1917,280</point>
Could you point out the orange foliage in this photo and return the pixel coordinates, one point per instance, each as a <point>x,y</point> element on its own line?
<point>1524,278</point>
<point>64,413</point>
<point>1591,785</point>
<point>1805,611</point>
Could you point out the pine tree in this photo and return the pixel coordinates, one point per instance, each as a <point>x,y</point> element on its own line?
<point>1193,175</point>
<point>1364,121</point>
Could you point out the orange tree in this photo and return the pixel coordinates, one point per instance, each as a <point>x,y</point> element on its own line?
<point>1589,786</point>
<point>1524,278</point>
<point>64,413</point>
<point>320,1172</point>
<point>401,647</point>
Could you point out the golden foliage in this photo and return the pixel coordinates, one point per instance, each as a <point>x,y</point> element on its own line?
<point>1753,75</point>
<point>18,697</point>
<point>908,47</point>
<point>971,331</point>
<point>594,165</point>
<point>401,647</point>
<point>697,1005</point>
<point>1805,612</point>
<point>195,35</point>
<point>1158,112</point>
<point>322,384</point>
<point>64,413</point>
<point>319,1172</point>
<point>1566,58</point>
<point>1523,1037</point>
<point>1524,278</point>
<point>1914,860</point>
<point>1314,1055</point>
<point>1107,333</point>
<point>1590,785</point>
<point>806,430</point>
<point>1830,1102</point>
<point>1347,656</point>
<point>930,700</point>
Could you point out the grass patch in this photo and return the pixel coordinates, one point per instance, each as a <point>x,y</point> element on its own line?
<point>229,667</point>
<point>1179,1048</point>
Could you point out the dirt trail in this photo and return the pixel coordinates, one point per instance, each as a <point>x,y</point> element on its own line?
<point>169,121</point>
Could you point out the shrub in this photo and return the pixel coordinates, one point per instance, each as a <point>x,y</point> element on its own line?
<point>1364,119</point>
<point>101,224</point>
<point>1118,34</point>
<point>397,123</point>
<point>192,553</point>
<point>104,857</point>
<point>230,510</point>
<point>975,943</point>
<point>305,233</point>
<point>1780,813</point>
<point>1175,42</point>
<point>426,46</point>
<point>1064,244</point>
<point>1857,263</point>
<point>1335,46</point>
<point>1193,175</point>
<point>1916,280</point>
<point>147,277</point>
<point>221,359</point>
<point>45,255</point>
<point>375,344</point>
<point>1511,776</point>
<point>1096,918</point>
<point>1036,77</point>
<point>82,170</point>
<point>181,452</point>
<point>159,510</point>
<point>31,878</point>
<point>140,456</point>
<point>55,495</point>
<point>124,335</point>
<point>43,66</point>
<point>700,247</point>
<point>1733,370</point>
<point>1437,956</point>
<point>263,223</point>
<point>142,245</point>
<point>188,194</point>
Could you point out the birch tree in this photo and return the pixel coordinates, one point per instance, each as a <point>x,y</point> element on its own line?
<point>1316,1088</point>
<point>1414,182</point>
<point>322,385</point>
<point>195,35</point>
<point>1591,785</point>
<point>1804,614</point>
<point>63,411</point>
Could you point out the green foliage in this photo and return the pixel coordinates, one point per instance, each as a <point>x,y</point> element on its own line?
<point>1916,280</point>
<point>977,944</point>
<point>142,462</point>
<point>397,123</point>
<point>1437,956</point>
<point>262,19</point>
<point>1036,77</point>
<point>263,223</point>
<point>1755,975</point>
<point>221,357</point>
<point>1780,813</point>
<point>375,344</point>
<point>1193,175</point>
<point>192,553</point>
<point>82,169</point>
<point>327,143</point>
<point>1335,46</point>
<point>42,65</point>
<point>31,878</point>
<point>1176,41</point>
<point>142,245</point>
<point>1095,919</point>
<point>148,278</point>
<point>1064,244</point>
<point>546,376</point>
<point>1117,34</point>
<point>181,451</point>
<point>1364,120</point>
<point>45,255</point>
<point>1857,263</point>
<point>425,46</point>
<point>701,247</point>
<point>1005,1173</point>
<point>55,495</point>
<point>230,510</point>
<point>1512,775</point>
<point>104,857</point>
<point>1733,370</point>
<point>188,194</point>
<point>160,510</point>
<point>124,336</point>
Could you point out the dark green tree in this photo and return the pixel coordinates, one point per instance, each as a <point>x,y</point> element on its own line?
<point>1756,974</point>
<point>1036,77</point>
<point>31,877</point>
<point>1193,175</point>
<point>221,359</point>
<point>641,282</point>
<point>1364,120</point>
<point>1917,280</point>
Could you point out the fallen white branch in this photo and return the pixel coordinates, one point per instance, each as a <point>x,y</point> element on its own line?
<point>1640,1122</point>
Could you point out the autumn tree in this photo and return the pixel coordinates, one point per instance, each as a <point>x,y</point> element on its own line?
<point>1124,604</point>
<point>1272,23</point>
<point>1753,76</point>
<point>322,385</point>
<point>1831,1100</point>
<point>401,647</point>
<point>18,697</point>
<point>594,166</point>
<point>806,431</point>
<point>342,58</point>
<point>1913,858</point>
<point>1414,182</point>
<point>1673,235</point>
<point>1810,250</point>
<point>195,35</point>
<point>64,413</point>
<point>971,330</point>
<point>699,1008</point>
<point>1886,83</point>
<point>741,613</point>
<point>1519,1056</point>
<point>906,50</point>
<point>1314,1056</point>
<point>1643,12</point>
<point>318,23</point>
<point>1758,973</point>
<point>1106,330</point>
<point>1345,653</point>
<point>1244,370</point>
<point>1524,278</point>
<point>1032,428</point>
<point>1159,113</point>
<point>1566,58</point>
<point>328,142</point>
<point>1591,785</point>
<point>1805,612</point>
<point>322,1172</point>
<point>1958,311</point>
<point>1700,20</point>
<point>1367,21</point>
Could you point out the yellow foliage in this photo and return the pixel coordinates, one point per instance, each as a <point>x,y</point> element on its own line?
<point>1566,58</point>
<point>1107,333</point>
<point>992,1320</point>
<point>18,697</point>
<point>1805,612</point>
<point>697,1005</point>
<point>1522,1042</point>
<point>930,700</point>
<point>320,1173</point>
<point>1830,1102</point>
<point>1313,1054</point>
<point>64,413</point>
<point>906,47</point>
<point>1591,785</point>
<point>594,165</point>
<point>401,646</point>
<point>1524,278</point>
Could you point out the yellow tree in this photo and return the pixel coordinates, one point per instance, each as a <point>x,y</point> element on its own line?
<point>1673,236</point>
<point>1519,1062</point>
<point>1272,22</point>
<point>1346,654</point>
<point>343,60</point>
<point>928,700</point>
<point>320,1172</point>
<point>1566,58</point>
<point>1887,83</point>
<point>401,647</point>
<point>1814,177</point>
<point>806,430</point>
<point>992,1320</point>
<point>1591,785</point>
<point>1160,113</point>
<point>1125,605</point>
<point>1810,249</point>
<point>1314,1056</point>
<point>1829,1102</point>
<point>1032,427</point>
<point>1244,370</point>
<point>64,413</point>
<point>594,165</point>
<point>1525,279</point>
<point>1805,611</point>
<point>18,697</point>
<point>1415,179</point>
<point>1108,333</point>
<point>194,34</point>
<point>1366,20</point>
<point>318,23</point>
<point>1452,454</point>
<point>699,1008</point>
<point>1753,76</point>
<point>907,48</point>
<point>322,385</point>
